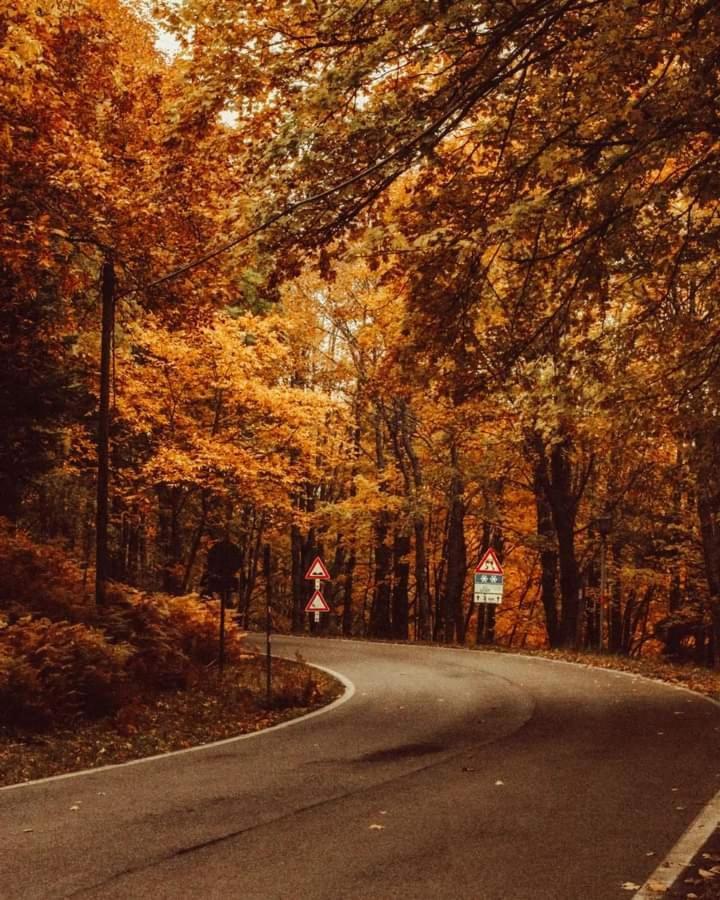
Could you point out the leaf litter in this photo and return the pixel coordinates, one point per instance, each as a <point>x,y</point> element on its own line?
<point>212,709</point>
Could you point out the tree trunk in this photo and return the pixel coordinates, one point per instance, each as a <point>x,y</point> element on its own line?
<point>249,577</point>
<point>380,625</point>
<point>297,574</point>
<point>709,516</point>
<point>442,613</point>
<point>556,483</point>
<point>347,619</point>
<point>401,434</point>
<point>548,564</point>
<point>456,559</point>
<point>170,503</point>
<point>196,541</point>
<point>422,598</point>
<point>548,558</point>
<point>401,578</point>
<point>615,601</point>
<point>569,580</point>
<point>521,606</point>
<point>103,439</point>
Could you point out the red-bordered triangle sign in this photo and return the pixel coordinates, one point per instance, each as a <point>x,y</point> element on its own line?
<point>489,564</point>
<point>317,570</point>
<point>317,603</point>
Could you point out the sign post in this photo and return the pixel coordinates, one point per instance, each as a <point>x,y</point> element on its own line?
<point>488,586</point>
<point>268,624</point>
<point>488,589</point>
<point>317,572</point>
<point>223,561</point>
<point>488,580</point>
<point>317,604</point>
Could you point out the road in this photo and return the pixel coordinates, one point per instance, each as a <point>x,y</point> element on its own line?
<point>447,774</point>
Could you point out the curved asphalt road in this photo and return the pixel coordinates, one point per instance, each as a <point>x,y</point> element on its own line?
<point>448,774</point>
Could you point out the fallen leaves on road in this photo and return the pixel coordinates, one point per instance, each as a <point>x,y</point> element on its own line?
<point>701,879</point>
<point>709,873</point>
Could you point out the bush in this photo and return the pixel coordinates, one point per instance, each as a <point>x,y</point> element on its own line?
<point>169,636</point>
<point>296,686</point>
<point>198,625</point>
<point>20,693</point>
<point>52,671</point>
<point>61,657</point>
<point>39,579</point>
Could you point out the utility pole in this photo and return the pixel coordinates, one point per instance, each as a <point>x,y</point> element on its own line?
<point>103,436</point>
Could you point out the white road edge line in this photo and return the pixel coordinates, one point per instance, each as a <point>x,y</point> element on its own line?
<point>682,853</point>
<point>347,695</point>
<point>699,830</point>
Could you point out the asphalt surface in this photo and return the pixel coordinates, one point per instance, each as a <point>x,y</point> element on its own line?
<point>448,774</point>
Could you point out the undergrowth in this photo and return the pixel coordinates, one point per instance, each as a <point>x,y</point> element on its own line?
<point>64,661</point>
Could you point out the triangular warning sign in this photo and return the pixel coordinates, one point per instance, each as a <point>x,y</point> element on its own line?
<point>317,603</point>
<point>317,570</point>
<point>489,564</point>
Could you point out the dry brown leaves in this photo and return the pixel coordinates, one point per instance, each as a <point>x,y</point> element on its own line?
<point>213,709</point>
<point>704,681</point>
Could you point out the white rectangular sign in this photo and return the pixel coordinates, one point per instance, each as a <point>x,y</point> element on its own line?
<point>488,598</point>
<point>488,589</point>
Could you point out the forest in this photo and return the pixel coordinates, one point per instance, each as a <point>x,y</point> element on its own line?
<point>388,282</point>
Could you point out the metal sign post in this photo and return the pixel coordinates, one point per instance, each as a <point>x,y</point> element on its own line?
<point>223,561</point>
<point>488,583</point>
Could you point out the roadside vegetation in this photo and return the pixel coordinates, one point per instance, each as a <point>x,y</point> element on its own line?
<point>461,294</point>
<point>82,687</point>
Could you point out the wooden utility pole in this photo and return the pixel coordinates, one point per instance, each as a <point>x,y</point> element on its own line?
<point>103,437</point>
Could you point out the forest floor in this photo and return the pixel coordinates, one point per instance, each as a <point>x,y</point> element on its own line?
<point>215,707</point>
